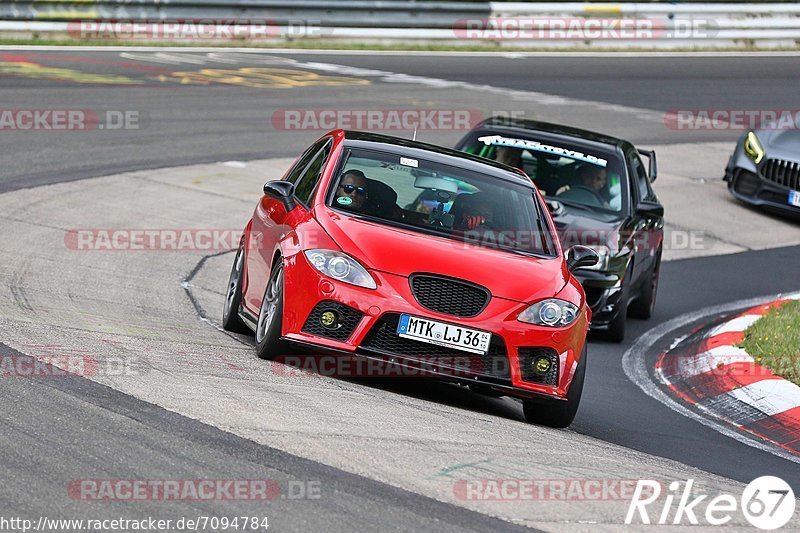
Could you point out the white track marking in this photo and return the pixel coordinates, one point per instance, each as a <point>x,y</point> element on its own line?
<point>770,396</point>
<point>511,54</point>
<point>740,323</point>
<point>635,367</point>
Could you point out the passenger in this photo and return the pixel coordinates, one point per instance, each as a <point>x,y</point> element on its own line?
<point>352,190</point>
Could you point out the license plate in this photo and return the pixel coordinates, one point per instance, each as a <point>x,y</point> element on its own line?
<point>439,333</point>
<point>794,198</point>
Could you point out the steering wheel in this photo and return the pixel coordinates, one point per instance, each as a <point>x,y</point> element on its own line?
<point>584,192</point>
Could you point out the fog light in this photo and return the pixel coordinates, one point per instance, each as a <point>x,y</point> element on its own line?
<point>329,320</point>
<point>541,365</point>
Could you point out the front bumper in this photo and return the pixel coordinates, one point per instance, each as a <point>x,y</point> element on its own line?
<point>753,188</point>
<point>375,309</point>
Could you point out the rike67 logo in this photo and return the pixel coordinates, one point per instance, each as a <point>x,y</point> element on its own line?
<point>767,503</point>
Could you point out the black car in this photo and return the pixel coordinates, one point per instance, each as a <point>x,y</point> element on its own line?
<point>599,192</point>
<point>764,170</point>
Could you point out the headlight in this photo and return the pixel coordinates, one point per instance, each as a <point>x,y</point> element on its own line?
<point>603,253</point>
<point>753,148</point>
<point>341,267</point>
<point>552,312</point>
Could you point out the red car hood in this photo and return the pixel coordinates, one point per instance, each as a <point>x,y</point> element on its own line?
<point>403,252</point>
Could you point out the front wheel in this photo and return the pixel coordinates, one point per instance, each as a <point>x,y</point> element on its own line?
<point>558,413</point>
<point>645,304</point>
<point>233,296</point>
<point>270,317</point>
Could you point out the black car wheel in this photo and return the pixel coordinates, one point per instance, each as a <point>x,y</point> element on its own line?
<point>645,304</point>
<point>616,327</point>
<point>270,317</point>
<point>233,296</point>
<point>558,413</point>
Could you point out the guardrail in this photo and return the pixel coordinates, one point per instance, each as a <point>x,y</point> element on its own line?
<point>505,24</point>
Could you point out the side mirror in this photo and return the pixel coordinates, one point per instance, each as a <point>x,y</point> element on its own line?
<point>651,157</point>
<point>650,210</point>
<point>580,257</point>
<point>282,191</point>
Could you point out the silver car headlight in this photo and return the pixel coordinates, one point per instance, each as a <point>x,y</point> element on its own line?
<point>341,267</point>
<point>551,312</point>
<point>603,254</point>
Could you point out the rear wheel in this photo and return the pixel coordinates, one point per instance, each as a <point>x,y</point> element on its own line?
<point>645,304</point>
<point>558,413</point>
<point>270,317</point>
<point>233,296</point>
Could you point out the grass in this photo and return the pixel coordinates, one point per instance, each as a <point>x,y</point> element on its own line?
<point>321,44</point>
<point>774,341</point>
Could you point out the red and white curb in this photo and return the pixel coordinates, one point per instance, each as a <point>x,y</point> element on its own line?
<point>709,371</point>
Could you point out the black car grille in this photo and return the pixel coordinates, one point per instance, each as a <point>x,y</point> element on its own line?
<point>528,355</point>
<point>383,339</point>
<point>348,320</point>
<point>449,296</point>
<point>782,172</point>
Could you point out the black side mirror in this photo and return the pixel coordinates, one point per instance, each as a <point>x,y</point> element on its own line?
<point>650,210</point>
<point>651,157</point>
<point>580,257</point>
<point>282,191</point>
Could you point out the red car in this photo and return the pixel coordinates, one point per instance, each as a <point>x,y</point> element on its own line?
<point>473,289</point>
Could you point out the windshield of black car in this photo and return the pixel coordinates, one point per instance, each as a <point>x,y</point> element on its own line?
<point>445,200</point>
<point>587,177</point>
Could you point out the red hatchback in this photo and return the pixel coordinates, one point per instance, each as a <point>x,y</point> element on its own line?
<point>379,248</point>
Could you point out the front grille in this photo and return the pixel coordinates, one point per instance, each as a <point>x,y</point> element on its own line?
<point>449,296</point>
<point>348,320</point>
<point>528,355</point>
<point>746,183</point>
<point>383,339</point>
<point>782,172</point>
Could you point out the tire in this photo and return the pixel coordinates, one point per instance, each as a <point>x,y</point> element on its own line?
<point>645,304</point>
<point>270,317</point>
<point>616,328</point>
<point>233,296</point>
<point>557,413</point>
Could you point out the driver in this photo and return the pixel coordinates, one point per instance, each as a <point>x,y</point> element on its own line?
<point>477,212</point>
<point>593,177</point>
<point>352,190</point>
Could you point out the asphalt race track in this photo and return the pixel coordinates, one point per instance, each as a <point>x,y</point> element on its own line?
<point>385,455</point>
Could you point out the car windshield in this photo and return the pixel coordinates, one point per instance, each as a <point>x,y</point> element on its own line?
<point>562,171</point>
<point>444,200</point>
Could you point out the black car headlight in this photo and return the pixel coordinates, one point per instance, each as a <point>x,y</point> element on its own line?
<point>341,267</point>
<point>551,312</point>
<point>752,147</point>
